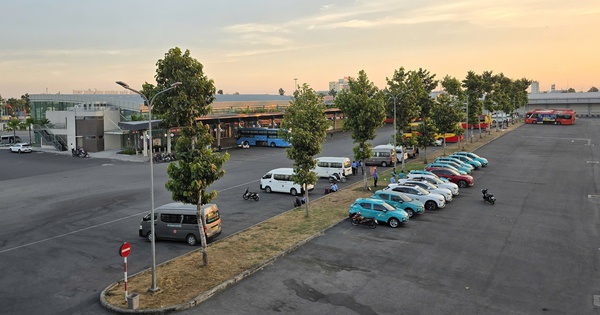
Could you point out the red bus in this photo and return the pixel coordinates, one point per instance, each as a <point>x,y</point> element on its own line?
<point>485,121</point>
<point>551,116</point>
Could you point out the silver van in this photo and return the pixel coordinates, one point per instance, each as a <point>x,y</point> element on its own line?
<point>383,155</point>
<point>178,222</point>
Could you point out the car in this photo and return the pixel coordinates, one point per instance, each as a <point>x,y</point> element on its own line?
<point>434,179</point>
<point>455,160</point>
<point>459,166</point>
<point>424,172</point>
<point>466,159</point>
<point>20,148</point>
<point>482,160</point>
<point>379,210</point>
<point>447,193</point>
<point>462,180</point>
<point>401,201</point>
<point>444,165</point>
<point>432,201</point>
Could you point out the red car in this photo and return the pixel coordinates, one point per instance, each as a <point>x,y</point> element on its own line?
<point>453,176</point>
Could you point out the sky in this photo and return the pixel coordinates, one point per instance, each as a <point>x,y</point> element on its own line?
<point>260,46</point>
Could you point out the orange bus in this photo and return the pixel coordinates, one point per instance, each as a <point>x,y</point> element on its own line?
<point>550,116</point>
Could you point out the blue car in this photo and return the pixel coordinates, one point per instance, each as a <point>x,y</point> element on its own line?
<point>379,210</point>
<point>400,201</point>
<point>484,161</point>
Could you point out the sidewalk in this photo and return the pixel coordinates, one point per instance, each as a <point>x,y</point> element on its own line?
<point>107,154</point>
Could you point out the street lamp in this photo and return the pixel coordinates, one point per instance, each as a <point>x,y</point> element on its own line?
<point>396,130</point>
<point>295,84</point>
<point>154,288</point>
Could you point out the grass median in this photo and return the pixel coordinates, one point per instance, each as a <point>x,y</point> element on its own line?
<point>184,278</point>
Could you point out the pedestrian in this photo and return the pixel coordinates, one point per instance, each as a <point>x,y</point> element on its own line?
<point>331,134</point>
<point>393,180</point>
<point>354,167</point>
<point>394,172</point>
<point>375,177</point>
<point>401,175</point>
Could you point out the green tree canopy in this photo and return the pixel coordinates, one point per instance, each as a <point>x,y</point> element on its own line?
<point>306,120</point>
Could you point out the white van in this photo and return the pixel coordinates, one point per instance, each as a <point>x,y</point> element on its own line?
<point>178,222</point>
<point>327,166</point>
<point>280,180</point>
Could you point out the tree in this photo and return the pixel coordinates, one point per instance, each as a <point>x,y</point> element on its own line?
<point>220,92</point>
<point>452,86</point>
<point>422,82</point>
<point>28,122</point>
<point>13,125</point>
<point>593,89</point>
<point>446,116</point>
<point>197,165</point>
<point>364,108</point>
<point>333,93</point>
<point>306,119</point>
<point>475,85</point>
<point>281,91</point>
<point>571,90</point>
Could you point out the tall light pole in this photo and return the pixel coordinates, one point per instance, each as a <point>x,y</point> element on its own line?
<point>295,84</point>
<point>154,288</point>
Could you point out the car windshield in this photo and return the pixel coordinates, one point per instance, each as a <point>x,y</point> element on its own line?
<point>405,198</point>
<point>421,190</point>
<point>388,207</point>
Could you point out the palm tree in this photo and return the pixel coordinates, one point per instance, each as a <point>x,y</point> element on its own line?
<point>29,122</point>
<point>13,125</point>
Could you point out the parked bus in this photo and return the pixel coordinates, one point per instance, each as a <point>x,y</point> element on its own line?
<point>260,137</point>
<point>485,121</point>
<point>550,116</point>
<point>450,137</point>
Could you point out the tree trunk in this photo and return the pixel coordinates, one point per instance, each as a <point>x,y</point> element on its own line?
<point>201,228</point>
<point>365,177</point>
<point>306,202</point>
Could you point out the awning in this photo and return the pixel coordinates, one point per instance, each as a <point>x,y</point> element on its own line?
<point>138,125</point>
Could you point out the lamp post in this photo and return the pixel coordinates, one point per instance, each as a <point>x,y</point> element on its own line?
<point>154,288</point>
<point>295,84</point>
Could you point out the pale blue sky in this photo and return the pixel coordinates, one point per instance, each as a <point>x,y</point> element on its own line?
<point>260,46</point>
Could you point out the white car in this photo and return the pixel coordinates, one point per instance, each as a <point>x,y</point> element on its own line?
<point>431,200</point>
<point>437,181</point>
<point>447,193</point>
<point>21,148</point>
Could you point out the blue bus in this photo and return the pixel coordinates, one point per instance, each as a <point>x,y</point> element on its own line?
<point>260,137</point>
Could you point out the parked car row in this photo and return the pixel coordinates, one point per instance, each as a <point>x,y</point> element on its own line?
<point>429,189</point>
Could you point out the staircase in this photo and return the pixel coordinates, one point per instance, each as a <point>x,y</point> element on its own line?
<point>57,141</point>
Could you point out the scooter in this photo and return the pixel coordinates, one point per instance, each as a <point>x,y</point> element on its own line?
<point>250,195</point>
<point>488,197</point>
<point>79,152</point>
<point>357,219</point>
<point>335,177</point>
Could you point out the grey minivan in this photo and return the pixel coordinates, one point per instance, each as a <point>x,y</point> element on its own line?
<point>178,222</point>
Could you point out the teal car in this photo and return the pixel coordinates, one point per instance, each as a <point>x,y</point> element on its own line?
<point>482,160</point>
<point>379,210</point>
<point>466,159</point>
<point>446,165</point>
<point>456,163</point>
<point>400,201</point>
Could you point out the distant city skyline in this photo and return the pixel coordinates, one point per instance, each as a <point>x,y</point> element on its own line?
<point>261,46</point>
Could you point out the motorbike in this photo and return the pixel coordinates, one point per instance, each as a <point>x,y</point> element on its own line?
<point>250,195</point>
<point>357,219</point>
<point>164,157</point>
<point>488,197</point>
<point>79,152</point>
<point>335,177</point>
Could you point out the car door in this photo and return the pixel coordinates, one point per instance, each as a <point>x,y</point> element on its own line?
<point>380,213</point>
<point>367,210</point>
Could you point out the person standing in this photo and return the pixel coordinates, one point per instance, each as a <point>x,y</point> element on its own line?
<point>354,167</point>
<point>375,177</point>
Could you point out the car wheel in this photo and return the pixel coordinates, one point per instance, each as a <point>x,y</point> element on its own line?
<point>462,184</point>
<point>430,205</point>
<point>293,191</point>
<point>191,240</point>
<point>394,222</point>
<point>268,190</point>
<point>410,212</point>
<point>384,164</point>
<point>372,224</point>
<point>149,236</point>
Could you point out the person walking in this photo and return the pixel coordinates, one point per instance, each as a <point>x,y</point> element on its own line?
<point>354,167</point>
<point>375,177</point>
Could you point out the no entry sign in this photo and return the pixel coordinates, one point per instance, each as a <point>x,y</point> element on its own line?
<point>125,250</point>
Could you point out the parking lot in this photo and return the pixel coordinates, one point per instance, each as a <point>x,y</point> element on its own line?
<point>535,251</point>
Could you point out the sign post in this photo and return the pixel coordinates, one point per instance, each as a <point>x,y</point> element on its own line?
<point>124,251</point>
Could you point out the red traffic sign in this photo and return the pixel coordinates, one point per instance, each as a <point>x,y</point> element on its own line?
<point>125,249</point>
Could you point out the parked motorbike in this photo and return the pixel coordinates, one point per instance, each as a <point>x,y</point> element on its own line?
<point>164,157</point>
<point>357,219</point>
<point>335,177</point>
<point>79,152</point>
<point>250,195</point>
<point>488,197</point>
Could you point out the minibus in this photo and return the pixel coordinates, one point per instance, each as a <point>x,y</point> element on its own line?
<point>280,180</point>
<point>327,166</point>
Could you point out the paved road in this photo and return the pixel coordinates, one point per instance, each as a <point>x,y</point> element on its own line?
<point>64,218</point>
<point>534,252</point>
